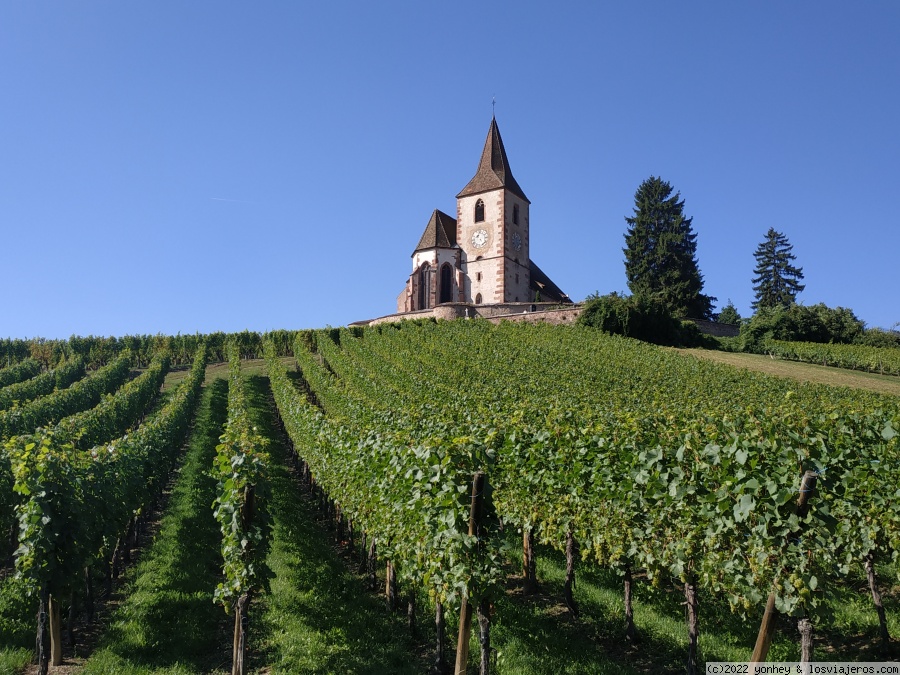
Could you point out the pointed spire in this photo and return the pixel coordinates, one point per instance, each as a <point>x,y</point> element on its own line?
<point>493,169</point>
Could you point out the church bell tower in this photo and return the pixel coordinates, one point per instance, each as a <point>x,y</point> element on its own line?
<point>483,256</point>
<point>492,229</point>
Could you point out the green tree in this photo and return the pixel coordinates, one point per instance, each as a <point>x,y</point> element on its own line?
<point>799,323</point>
<point>777,281</point>
<point>729,314</point>
<point>638,317</point>
<point>660,252</point>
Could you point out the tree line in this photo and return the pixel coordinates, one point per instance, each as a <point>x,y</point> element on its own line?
<point>667,286</point>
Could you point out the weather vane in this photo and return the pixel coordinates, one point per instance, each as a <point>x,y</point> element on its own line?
<point>493,106</point>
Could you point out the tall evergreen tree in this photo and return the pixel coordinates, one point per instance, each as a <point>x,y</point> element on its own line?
<point>660,252</point>
<point>777,281</point>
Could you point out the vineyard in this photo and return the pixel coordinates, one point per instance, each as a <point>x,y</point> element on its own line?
<point>470,472</point>
<point>881,360</point>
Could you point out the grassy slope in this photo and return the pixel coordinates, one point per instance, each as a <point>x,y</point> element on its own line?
<point>168,623</point>
<point>805,372</point>
<point>215,371</point>
<point>528,629</point>
<point>317,618</point>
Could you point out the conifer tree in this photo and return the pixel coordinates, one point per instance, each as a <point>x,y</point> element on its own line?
<point>660,252</point>
<point>777,281</point>
<point>729,314</point>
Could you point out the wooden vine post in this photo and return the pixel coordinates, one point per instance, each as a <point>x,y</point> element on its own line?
<point>569,586</point>
<point>390,586</point>
<point>439,637</point>
<point>241,623</point>
<point>42,643</point>
<point>465,611</point>
<point>241,617</point>
<point>630,630</point>
<point>690,601</point>
<point>876,598</point>
<point>55,632</point>
<point>529,562</point>
<point>770,616</point>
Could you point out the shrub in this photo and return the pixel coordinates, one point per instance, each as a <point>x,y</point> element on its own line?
<point>799,323</point>
<point>878,337</point>
<point>638,317</point>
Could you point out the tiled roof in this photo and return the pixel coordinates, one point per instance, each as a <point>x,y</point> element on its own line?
<point>541,283</point>
<point>440,232</point>
<point>493,169</point>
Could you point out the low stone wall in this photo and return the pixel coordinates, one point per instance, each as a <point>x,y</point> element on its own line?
<point>526,311</point>
<point>717,329</point>
<point>554,316</point>
<point>511,311</point>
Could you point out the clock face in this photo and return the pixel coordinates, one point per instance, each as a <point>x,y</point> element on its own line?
<point>517,241</point>
<point>479,238</point>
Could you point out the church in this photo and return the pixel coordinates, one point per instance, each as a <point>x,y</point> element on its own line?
<point>483,255</point>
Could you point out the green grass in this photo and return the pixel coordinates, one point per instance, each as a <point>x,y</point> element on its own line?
<point>317,617</point>
<point>805,372</point>
<point>527,631</point>
<point>13,661</point>
<point>168,622</point>
<point>17,626</point>
<point>852,632</point>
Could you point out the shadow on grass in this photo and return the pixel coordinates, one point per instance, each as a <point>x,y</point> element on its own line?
<point>168,621</point>
<point>535,635</point>
<point>529,627</point>
<point>530,623</point>
<point>317,616</point>
<point>851,634</point>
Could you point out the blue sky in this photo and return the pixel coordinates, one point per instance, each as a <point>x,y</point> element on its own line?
<point>182,167</point>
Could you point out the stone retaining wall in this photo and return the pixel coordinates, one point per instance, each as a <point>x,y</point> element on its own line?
<point>513,311</point>
<point>528,311</point>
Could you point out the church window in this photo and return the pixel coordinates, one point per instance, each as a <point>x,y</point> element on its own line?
<point>446,283</point>
<point>424,286</point>
<point>478,299</point>
<point>477,276</point>
<point>515,214</point>
<point>479,211</point>
<point>517,278</point>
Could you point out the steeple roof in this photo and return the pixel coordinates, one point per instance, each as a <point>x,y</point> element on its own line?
<point>440,232</point>
<point>493,169</point>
